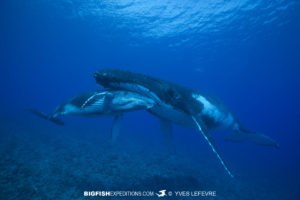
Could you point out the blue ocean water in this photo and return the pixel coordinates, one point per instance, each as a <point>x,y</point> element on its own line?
<point>244,52</point>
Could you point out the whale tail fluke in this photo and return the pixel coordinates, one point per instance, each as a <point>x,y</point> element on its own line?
<point>253,137</point>
<point>45,116</point>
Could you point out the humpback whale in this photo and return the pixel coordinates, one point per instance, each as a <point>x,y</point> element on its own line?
<point>184,106</point>
<point>99,103</point>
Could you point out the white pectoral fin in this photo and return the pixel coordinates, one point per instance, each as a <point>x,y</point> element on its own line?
<point>116,126</point>
<point>253,137</point>
<point>211,143</point>
<point>107,101</point>
<point>167,131</point>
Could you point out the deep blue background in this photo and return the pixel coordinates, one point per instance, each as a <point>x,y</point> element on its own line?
<point>245,52</point>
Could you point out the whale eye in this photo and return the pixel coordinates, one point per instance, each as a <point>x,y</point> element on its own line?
<point>173,94</point>
<point>170,92</point>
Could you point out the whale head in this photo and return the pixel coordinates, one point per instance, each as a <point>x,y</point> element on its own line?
<point>105,77</point>
<point>66,109</point>
<point>74,105</point>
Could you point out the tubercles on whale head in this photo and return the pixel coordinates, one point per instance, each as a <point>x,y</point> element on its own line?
<point>65,109</point>
<point>106,74</point>
<point>104,77</point>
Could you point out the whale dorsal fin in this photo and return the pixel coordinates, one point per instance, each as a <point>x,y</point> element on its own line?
<point>209,139</point>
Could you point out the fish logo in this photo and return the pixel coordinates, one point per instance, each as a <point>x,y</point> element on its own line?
<point>162,193</point>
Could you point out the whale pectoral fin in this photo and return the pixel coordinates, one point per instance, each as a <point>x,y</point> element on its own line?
<point>107,101</point>
<point>115,130</point>
<point>253,137</point>
<point>166,129</point>
<point>45,116</point>
<point>209,139</point>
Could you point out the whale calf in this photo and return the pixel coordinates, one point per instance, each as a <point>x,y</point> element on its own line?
<point>99,103</point>
<point>184,106</point>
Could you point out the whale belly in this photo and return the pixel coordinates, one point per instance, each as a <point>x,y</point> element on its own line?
<point>167,112</point>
